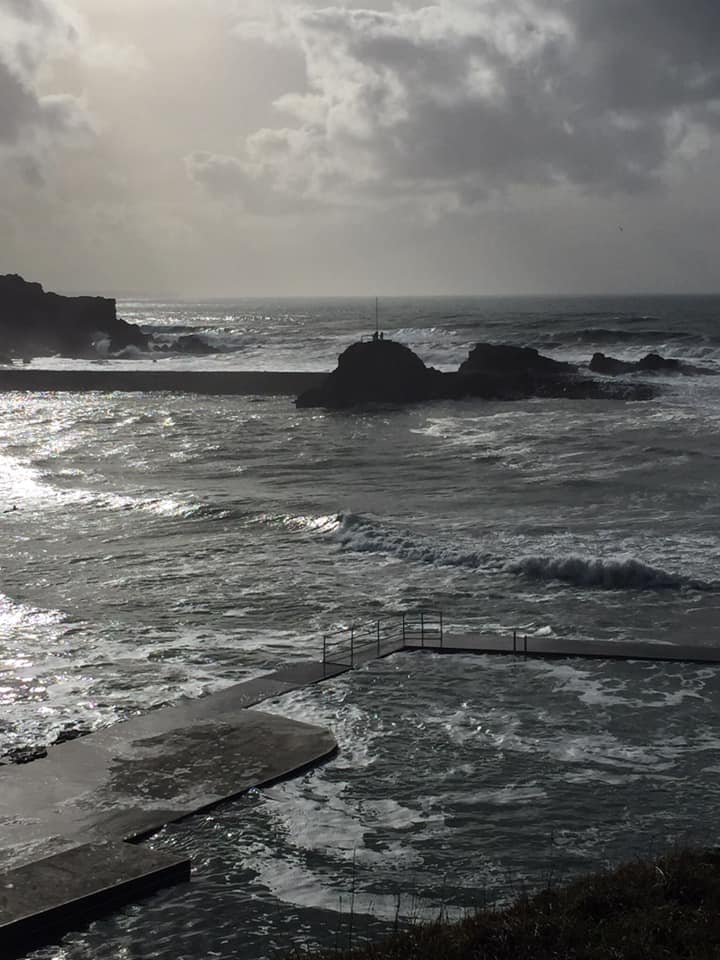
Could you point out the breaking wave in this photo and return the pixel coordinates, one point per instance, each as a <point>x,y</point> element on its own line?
<point>609,574</point>
<point>358,534</point>
<point>165,328</point>
<point>363,536</point>
<point>355,533</point>
<point>603,335</point>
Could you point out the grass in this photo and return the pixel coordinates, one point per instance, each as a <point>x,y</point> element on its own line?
<point>646,910</point>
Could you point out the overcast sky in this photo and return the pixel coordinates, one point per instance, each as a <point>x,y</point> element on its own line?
<point>231,147</point>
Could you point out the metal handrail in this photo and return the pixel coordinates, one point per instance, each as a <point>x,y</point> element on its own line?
<point>346,643</point>
<point>425,624</point>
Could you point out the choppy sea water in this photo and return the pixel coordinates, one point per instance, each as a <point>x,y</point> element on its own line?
<point>169,545</point>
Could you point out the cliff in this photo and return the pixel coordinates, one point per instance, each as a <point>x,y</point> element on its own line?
<point>36,323</point>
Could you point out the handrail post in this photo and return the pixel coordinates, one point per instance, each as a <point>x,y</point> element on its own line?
<point>352,647</point>
<point>378,638</point>
<point>525,644</point>
<point>324,653</point>
<point>441,630</point>
<point>403,629</point>
<point>514,641</point>
<point>422,629</point>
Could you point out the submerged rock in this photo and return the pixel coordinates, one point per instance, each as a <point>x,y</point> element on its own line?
<point>384,371</point>
<point>190,343</point>
<point>609,365</point>
<point>195,344</point>
<point>35,323</point>
<point>650,363</point>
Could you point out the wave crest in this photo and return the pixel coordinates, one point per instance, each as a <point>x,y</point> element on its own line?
<point>609,574</point>
<point>363,536</point>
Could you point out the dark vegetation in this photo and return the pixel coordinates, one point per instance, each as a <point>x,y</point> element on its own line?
<point>669,908</point>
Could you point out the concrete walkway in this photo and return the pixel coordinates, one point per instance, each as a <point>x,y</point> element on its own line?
<point>218,382</point>
<point>68,813</point>
<point>64,818</point>
<point>554,648</point>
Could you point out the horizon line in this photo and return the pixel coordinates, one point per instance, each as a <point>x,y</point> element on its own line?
<point>205,298</point>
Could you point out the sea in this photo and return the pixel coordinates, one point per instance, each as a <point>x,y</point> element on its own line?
<point>158,546</point>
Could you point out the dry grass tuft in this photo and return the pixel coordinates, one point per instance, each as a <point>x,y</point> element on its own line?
<point>662,910</point>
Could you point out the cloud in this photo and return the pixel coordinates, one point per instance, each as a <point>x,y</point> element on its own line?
<point>33,124</point>
<point>221,175</point>
<point>459,98</point>
<point>228,179</point>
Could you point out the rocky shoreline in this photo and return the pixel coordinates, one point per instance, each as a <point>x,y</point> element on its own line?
<point>384,371</point>
<point>34,323</point>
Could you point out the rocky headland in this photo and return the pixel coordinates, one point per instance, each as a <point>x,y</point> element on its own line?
<point>385,371</point>
<point>34,323</point>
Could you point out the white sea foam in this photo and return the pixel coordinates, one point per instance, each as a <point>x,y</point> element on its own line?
<point>27,484</point>
<point>21,481</point>
<point>590,688</point>
<point>292,882</point>
<point>14,615</point>
<point>358,534</point>
<point>161,506</point>
<point>361,535</point>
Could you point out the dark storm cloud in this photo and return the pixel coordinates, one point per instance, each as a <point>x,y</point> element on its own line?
<point>465,96</point>
<point>649,56</point>
<point>31,31</point>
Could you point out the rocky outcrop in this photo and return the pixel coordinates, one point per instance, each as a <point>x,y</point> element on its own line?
<point>191,344</point>
<point>503,372</point>
<point>375,371</point>
<point>384,371</point>
<point>610,366</point>
<point>508,360</point>
<point>36,323</point>
<point>650,363</point>
<point>194,344</point>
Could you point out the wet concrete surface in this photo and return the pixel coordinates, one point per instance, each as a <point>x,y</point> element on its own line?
<point>60,812</point>
<point>134,777</point>
<point>558,648</point>
<point>217,382</point>
<point>39,901</point>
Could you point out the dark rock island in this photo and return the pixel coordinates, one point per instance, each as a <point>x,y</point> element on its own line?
<point>376,371</point>
<point>35,323</point>
<point>384,371</point>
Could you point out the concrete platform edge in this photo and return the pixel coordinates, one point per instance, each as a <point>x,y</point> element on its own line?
<point>33,930</point>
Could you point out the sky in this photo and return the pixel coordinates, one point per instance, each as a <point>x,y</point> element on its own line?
<point>292,147</point>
